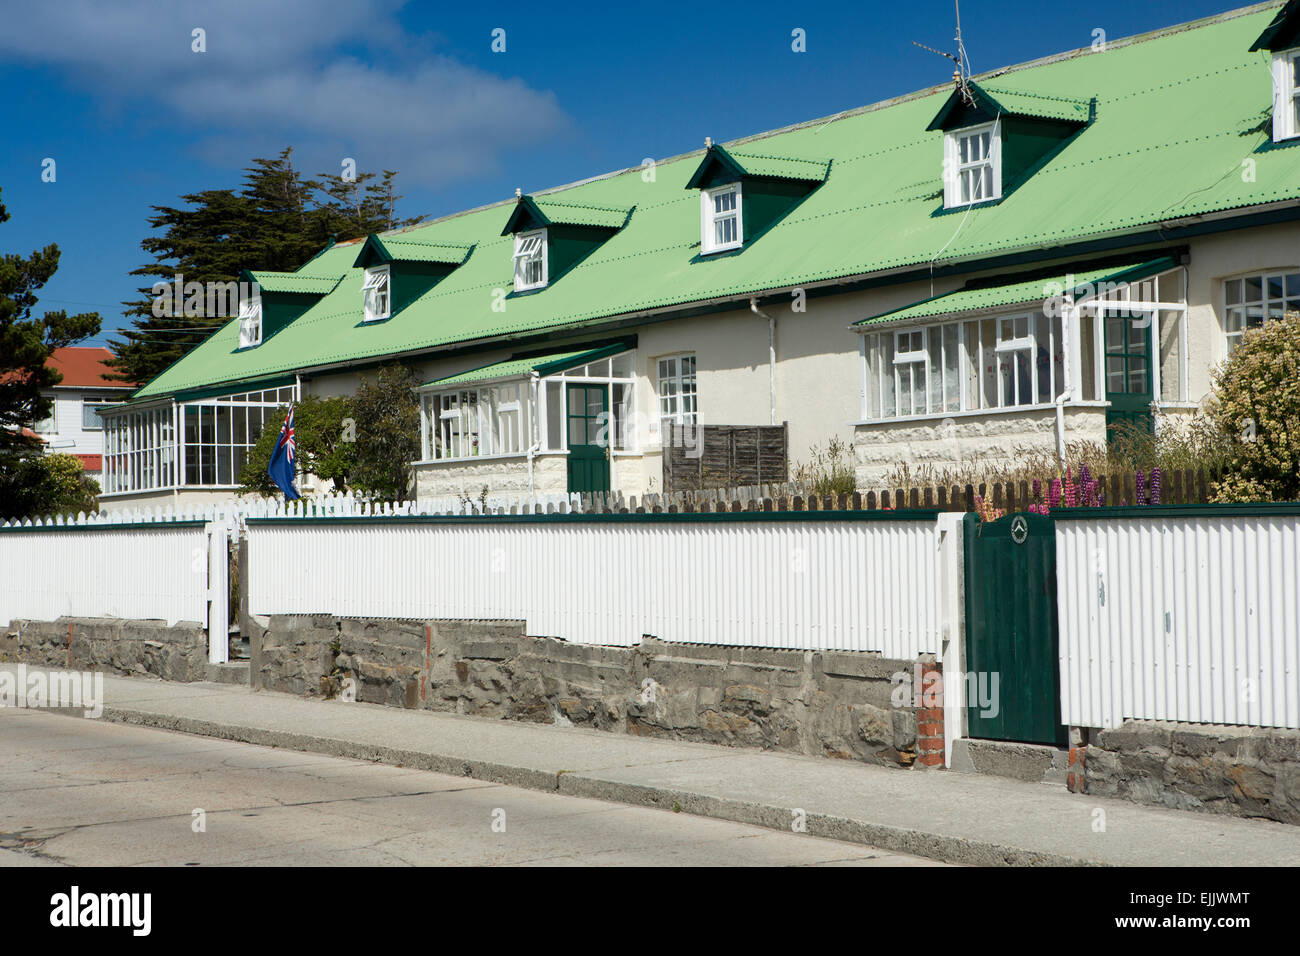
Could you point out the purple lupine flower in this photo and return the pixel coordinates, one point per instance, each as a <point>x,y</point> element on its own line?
<point>1101,495</point>
<point>1038,490</point>
<point>1140,483</point>
<point>1054,495</point>
<point>1085,478</point>
<point>1071,491</point>
<point>1155,485</point>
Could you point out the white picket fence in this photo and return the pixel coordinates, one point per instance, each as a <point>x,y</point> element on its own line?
<point>746,579</point>
<point>1180,618</point>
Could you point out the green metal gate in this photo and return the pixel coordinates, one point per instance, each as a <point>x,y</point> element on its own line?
<point>1013,676</point>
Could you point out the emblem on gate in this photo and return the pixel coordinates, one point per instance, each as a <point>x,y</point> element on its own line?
<point>1019,529</point>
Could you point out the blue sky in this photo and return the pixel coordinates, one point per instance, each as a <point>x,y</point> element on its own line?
<point>133,117</point>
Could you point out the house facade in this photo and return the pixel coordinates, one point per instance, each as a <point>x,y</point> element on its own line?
<point>75,426</point>
<point>1008,263</point>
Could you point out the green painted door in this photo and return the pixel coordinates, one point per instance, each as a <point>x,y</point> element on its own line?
<point>588,420</point>
<point>1128,372</point>
<point>1013,688</point>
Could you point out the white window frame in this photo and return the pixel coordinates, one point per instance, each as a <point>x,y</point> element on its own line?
<point>954,169</point>
<point>983,336</point>
<point>377,294</point>
<point>507,417</point>
<point>709,218</point>
<point>905,370</point>
<point>97,402</point>
<point>681,405</point>
<point>1267,304</point>
<point>250,322</point>
<point>528,252</point>
<point>1286,95</point>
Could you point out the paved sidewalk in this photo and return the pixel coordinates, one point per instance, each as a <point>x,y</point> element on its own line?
<point>958,818</point>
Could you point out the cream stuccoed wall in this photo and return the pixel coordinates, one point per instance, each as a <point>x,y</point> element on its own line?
<point>929,446</point>
<point>501,476</point>
<point>817,367</point>
<point>1216,258</point>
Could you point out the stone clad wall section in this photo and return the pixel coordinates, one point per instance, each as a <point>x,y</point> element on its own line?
<point>836,704</point>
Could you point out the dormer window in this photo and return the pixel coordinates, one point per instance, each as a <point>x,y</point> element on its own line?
<point>972,165</point>
<point>530,260</point>
<point>1286,95</point>
<point>720,222</point>
<point>250,322</point>
<point>375,294</point>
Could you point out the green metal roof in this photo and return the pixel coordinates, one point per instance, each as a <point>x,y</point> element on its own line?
<point>294,282</point>
<point>1176,114</point>
<point>743,163</point>
<point>997,100</point>
<point>1081,284</point>
<point>781,167</point>
<point>583,214</point>
<point>518,367</point>
<point>530,213</point>
<point>408,248</point>
<point>1025,103</point>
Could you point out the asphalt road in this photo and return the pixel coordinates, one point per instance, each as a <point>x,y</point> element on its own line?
<point>86,792</point>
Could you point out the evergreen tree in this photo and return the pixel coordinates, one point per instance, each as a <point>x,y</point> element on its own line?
<point>25,344</point>
<point>276,222</point>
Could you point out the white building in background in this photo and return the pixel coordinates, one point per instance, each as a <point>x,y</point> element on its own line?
<point>75,426</point>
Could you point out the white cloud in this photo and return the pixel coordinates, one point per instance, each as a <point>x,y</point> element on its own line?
<point>333,78</point>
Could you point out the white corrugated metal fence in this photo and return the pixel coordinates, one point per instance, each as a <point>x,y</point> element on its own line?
<point>1180,617</point>
<point>154,571</point>
<point>852,583</point>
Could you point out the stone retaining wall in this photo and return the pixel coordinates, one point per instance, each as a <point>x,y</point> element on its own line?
<point>1241,771</point>
<point>836,704</point>
<point>173,652</point>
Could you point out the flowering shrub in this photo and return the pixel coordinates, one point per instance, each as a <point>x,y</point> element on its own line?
<point>1257,402</point>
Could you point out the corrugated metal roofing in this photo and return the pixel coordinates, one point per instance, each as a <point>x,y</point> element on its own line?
<point>1016,293</point>
<point>781,167</point>
<point>1177,112</point>
<point>512,368</point>
<point>583,214</point>
<point>294,282</point>
<point>407,248</point>
<point>1025,103</point>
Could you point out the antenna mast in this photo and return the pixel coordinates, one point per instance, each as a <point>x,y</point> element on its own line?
<point>961,62</point>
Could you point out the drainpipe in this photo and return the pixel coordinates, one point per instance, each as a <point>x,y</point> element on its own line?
<point>1067,318</point>
<point>771,358</point>
<point>535,438</point>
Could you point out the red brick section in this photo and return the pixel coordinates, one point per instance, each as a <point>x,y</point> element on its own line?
<point>1074,777</point>
<point>929,716</point>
